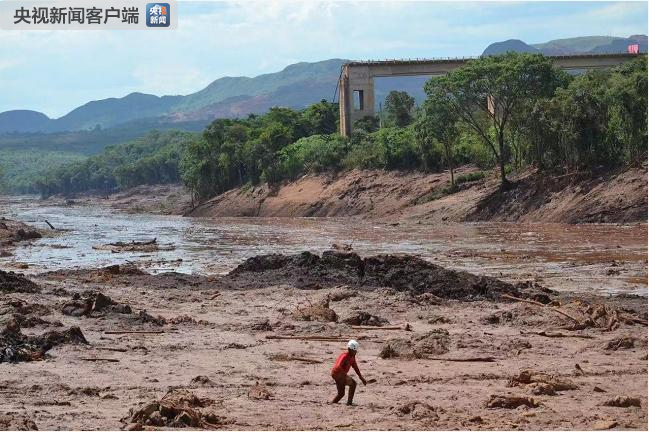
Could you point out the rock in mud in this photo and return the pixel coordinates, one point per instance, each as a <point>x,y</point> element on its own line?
<point>623,402</point>
<point>28,234</point>
<point>626,342</point>
<point>403,273</point>
<point>435,342</point>
<point>316,312</point>
<point>179,408</point>
<point>510,402</point>
<point>260,392</point>
<point>14,282</point>
<point>17,347</point>
<point>362,318</point>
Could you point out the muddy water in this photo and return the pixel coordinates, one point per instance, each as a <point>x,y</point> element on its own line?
<point>587,258</point>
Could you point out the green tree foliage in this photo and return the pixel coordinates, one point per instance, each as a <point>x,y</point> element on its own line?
<point>486,92</point>
<point>151,159</point>
<point>399,107</point>
<point>438,123</point>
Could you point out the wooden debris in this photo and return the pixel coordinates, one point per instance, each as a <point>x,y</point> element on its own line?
<point>287,357</point>
<point>99,359</point>
<point>311,338</point>
<point>407,327</point>
<point>116,332</point>
<point>555,309</point>
<point>49,224</point>
<point>467,359</point>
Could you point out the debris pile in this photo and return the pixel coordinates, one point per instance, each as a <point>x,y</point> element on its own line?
<point>146,318</point>
<point>623,402</point>
<point>403,273</point>
<point>362,318</point>
<point>510,402</point>
<point>626,342</point>
<point>417,410</point>
<point>178,408</point>
<point>17,347</point>
<point>134,246</point>
<point>434,342</point>
<point>16,422</point>
<point>14,282</point>
<point>540,383</point>
<point>90,301</point>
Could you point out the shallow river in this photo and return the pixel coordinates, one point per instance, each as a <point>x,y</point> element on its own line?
<point>602,258</point>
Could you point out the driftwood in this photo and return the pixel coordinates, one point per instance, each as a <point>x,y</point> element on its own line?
<point>557,310</point>
<point>134,243</point>
<point>49,224</point>
<point>133,332</point>
<point>467,359</point>
<point>556,335</point>
<point>97,359</point>
<point>111,349</point>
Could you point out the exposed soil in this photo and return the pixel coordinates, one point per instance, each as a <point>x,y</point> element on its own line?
<point>222,351</point>
<point>619,196</point>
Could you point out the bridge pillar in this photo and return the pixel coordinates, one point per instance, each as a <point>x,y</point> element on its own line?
<point>356,89</point>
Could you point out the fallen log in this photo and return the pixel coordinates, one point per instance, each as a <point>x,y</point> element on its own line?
<point>626,317</point>
<point>118,332</point>
<point>98,359</point>
<point>134,243</point>
<point>283,357</point>
<point>406,327</point>
<point>310,338</point>
<point>535,303</point>
<point>468,359</point>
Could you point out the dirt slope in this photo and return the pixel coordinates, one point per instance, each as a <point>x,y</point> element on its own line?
<point>583,197</point>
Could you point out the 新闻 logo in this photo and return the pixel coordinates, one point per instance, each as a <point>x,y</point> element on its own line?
<point>158,14</point>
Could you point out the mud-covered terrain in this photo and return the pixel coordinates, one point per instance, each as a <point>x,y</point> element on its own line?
<point>116,347</point>
<point>580,197</point>
<point>13,233</point>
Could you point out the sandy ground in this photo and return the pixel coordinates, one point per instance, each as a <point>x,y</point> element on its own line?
<point>619,196</point>
<point>228,344</point>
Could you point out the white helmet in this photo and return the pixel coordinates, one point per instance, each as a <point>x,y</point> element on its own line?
<point>352,345</point>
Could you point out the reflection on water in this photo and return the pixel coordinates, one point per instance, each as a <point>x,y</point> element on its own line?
<point>608,258</point>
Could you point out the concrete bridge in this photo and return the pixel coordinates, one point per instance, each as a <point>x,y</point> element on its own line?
<point>356,84</point>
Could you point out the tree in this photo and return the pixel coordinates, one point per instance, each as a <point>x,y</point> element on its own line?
<point>486,92</point>
<point>439,122</point>
<point>399,105</point>
<point>321,118</point>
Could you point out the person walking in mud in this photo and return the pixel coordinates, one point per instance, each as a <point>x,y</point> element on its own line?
<point>340,372</point>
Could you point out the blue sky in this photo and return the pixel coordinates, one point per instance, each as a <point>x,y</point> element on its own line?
<point>56,71</point>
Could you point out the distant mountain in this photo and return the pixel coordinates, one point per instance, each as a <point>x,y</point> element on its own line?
<point>22,120</point>
<point>571,46</point>
<point>296,86</point>
<point>514,45</point>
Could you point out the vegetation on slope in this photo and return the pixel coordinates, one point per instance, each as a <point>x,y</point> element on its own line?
<point>509,111</point>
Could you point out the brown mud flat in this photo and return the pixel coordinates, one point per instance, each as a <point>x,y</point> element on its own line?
<point>13,232</point>
<point>174,350</point>
<point>170,199</point>
<point>619,196</point>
